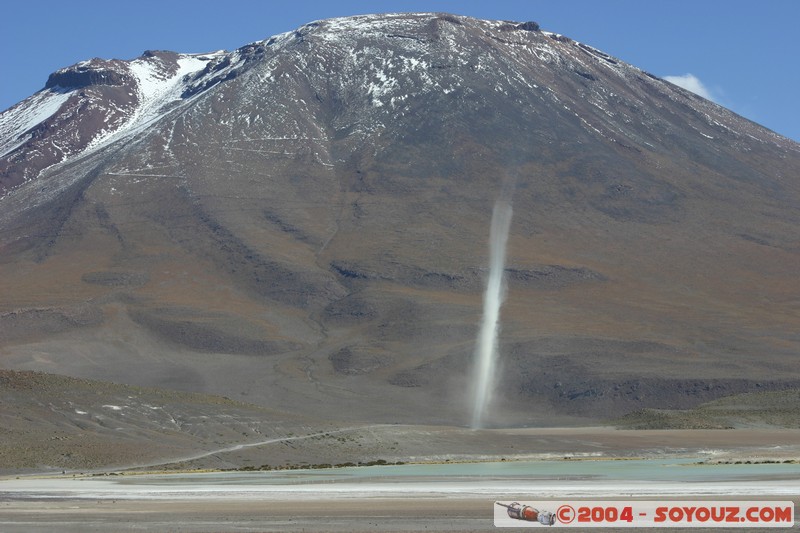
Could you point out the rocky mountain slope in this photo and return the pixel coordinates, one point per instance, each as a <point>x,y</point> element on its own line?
<point>302,223</point>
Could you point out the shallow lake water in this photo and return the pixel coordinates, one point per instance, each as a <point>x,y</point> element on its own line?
<point>636,470</point>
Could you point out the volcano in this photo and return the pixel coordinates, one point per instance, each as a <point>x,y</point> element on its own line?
<point>302,224</point>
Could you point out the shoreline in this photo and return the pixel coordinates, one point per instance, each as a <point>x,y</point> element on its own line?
<point>409,444</point>
<point>315,468</point>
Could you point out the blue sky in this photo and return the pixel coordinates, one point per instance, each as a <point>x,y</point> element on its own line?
<point>742,53</point>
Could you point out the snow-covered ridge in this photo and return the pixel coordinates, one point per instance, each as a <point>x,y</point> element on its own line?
<point>88,105</point>
<point>19,120</point>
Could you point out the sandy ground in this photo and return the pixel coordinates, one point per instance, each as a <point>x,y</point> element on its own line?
<point>412,514</point>
<point>379,514</point>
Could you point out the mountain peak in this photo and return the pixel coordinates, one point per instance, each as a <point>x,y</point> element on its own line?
<point>394,55</point>
<point>87,73</point>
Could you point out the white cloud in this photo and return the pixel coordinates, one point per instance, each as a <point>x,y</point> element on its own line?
<point>690,82</point>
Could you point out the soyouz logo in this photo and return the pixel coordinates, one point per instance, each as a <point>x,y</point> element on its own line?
<point>518,511</point>
<point>606,513</point>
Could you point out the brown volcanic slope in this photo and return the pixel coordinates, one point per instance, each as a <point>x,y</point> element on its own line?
<point>302,223</point>
<point>54,422</point>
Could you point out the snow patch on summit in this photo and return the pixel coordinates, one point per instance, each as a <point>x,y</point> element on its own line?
<point>156,90</point>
